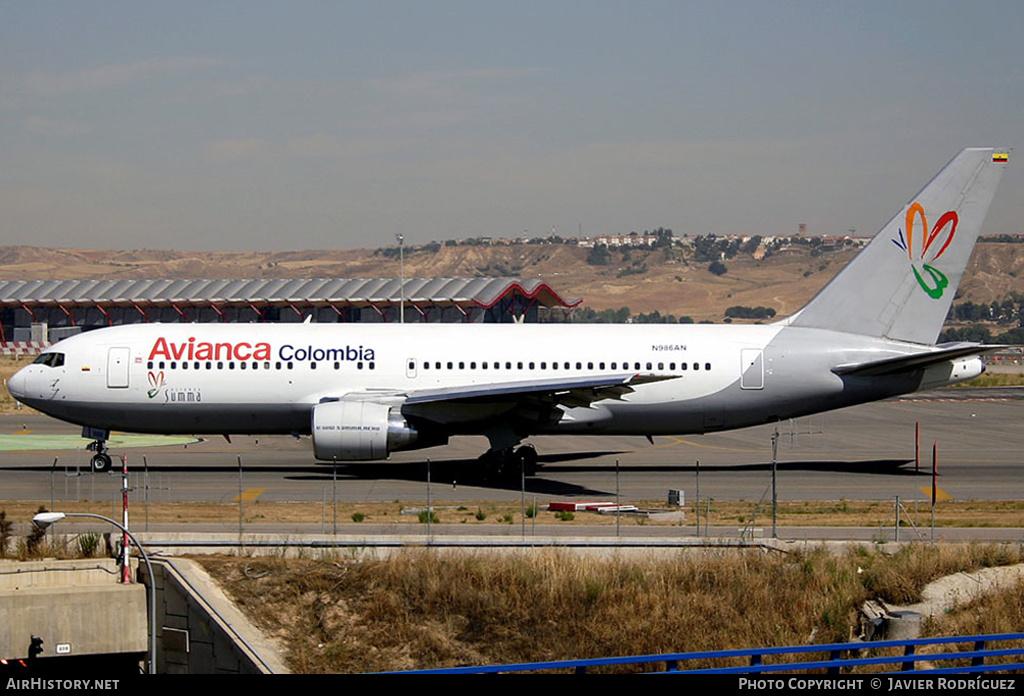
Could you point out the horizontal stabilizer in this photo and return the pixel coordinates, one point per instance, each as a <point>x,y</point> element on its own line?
<point>915,361</point>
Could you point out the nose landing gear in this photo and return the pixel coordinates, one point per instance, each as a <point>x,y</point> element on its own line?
<point>101,460</point>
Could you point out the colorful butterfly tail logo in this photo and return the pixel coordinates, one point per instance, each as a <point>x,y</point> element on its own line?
<point>931,279</point>
<point>156,383</point>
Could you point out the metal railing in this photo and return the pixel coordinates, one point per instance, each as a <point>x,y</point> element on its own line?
<point>842,658</point>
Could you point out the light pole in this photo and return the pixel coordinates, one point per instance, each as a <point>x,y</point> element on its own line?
<point>401,275</point>
<point>45,519</point>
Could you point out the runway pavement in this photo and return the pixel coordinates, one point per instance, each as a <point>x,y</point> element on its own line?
<point>861,453</point>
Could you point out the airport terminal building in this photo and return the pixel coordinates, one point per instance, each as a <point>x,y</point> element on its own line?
<point>35,313</point>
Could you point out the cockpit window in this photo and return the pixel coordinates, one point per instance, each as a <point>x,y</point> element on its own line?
<point>50,359</point>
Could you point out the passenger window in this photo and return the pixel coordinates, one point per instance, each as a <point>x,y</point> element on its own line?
<point>696,366</point>
<point>707,366</point>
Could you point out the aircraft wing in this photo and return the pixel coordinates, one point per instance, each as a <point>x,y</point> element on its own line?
<point>583,391</point>
<point>470,402</point>
<point>914,361</point>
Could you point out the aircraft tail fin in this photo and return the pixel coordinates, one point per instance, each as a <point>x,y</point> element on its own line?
<point>901,284</point>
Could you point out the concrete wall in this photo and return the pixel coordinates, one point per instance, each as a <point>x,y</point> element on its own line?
<point>199,629</point>
<point>79,608</point>
<point>76,607</point>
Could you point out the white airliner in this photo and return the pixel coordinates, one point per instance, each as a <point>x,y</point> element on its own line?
<point>363,391</point>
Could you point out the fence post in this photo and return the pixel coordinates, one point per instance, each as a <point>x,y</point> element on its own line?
<point>908,666</point>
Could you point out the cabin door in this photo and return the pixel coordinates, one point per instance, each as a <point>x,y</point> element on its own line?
<point>117,367</point>
<point>752,368</point>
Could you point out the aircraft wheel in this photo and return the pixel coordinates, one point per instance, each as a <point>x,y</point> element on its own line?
<point>101,463</point>
<point>527,459</point>
<point>499,464</point>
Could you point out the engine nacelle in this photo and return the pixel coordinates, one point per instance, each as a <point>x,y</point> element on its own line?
<point>952,371</point>
<point>358,431</point>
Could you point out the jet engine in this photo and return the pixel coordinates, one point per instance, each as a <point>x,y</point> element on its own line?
<point>952,371</point>
<point>359,431</point>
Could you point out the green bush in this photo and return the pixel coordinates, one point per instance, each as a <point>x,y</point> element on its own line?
<point>88,543</point>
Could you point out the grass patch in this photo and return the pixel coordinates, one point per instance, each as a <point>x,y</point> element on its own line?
<point>419,609</point>
<point>841,513</point>
<point>993,379</point>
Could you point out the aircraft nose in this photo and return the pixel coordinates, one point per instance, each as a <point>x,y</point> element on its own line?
<point>17,384</point>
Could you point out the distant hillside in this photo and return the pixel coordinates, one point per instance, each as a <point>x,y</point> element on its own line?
<point>666,280</point>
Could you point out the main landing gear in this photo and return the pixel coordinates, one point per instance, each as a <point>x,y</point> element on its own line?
<point>510,462</point>
<point>101,461</point>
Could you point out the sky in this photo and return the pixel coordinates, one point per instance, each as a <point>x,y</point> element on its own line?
<point>310,125</point>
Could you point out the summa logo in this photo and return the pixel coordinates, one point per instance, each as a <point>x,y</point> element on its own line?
<point>932,245</point>
<point>156,383</point>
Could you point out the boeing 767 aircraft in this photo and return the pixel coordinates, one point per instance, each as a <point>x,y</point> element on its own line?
<point>363,391</point>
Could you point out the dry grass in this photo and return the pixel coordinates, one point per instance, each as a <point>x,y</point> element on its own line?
<point>993,379</point>
<point>730,514</point>
<point>899,579</point>
<point>420,609</point>
<point>1001,611</point>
